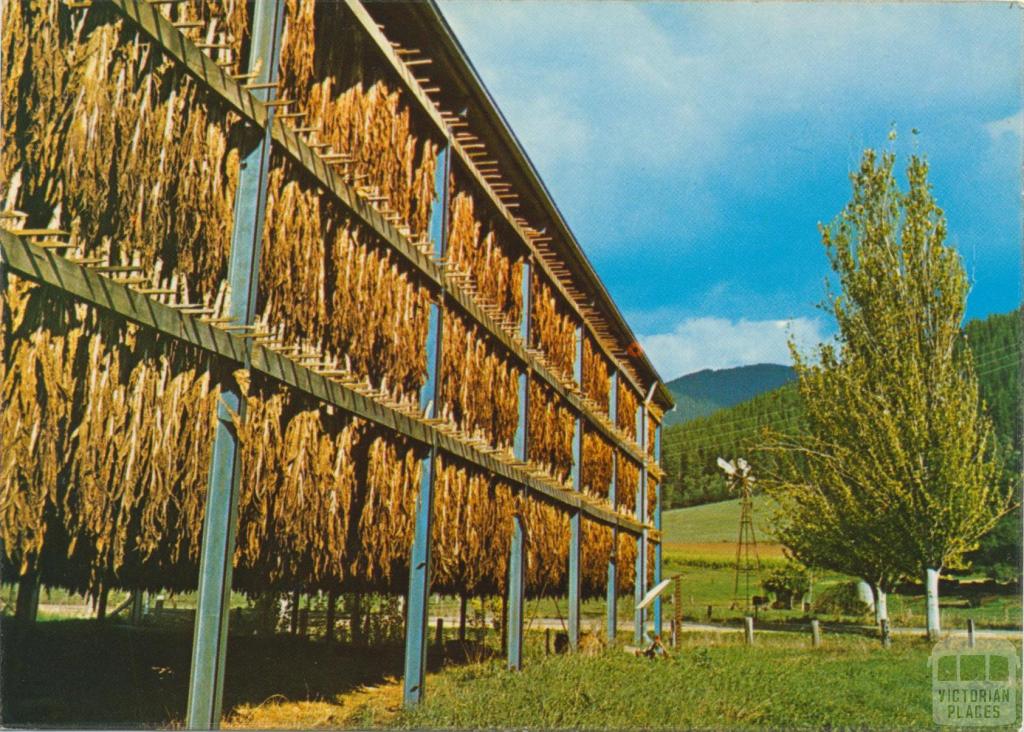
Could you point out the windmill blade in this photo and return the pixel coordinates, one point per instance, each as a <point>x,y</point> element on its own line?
<point>728,467</point>
<point>743,465</point>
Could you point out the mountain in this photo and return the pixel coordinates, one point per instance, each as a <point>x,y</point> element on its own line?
<point>690,448</point>
<point>704,392</point>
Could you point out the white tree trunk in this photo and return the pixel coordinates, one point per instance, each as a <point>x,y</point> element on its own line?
<point>881,604</point>
<point>932,599</point>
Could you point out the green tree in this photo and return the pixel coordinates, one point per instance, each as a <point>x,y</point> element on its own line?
<point>896,474</point>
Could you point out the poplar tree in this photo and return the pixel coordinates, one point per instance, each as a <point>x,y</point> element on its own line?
<point>895,475</point>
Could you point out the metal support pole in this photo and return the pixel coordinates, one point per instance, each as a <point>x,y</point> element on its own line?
<point>612,601</point>
<point>209,645</point>
<point>640,585</point>
<point>515,566</point>
<point>575,518</point>
<point>418,606</point>
<point>657,525</point>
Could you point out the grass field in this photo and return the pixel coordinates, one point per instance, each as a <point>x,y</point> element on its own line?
<point>711,682</point>
<point>74,673</point>
<point>714,522</point>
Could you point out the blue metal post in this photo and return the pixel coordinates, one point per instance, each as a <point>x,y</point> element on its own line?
<point>640,585</point>
<point>612,598</point>
<point>657,525</point>
<point>515,564</point>
<point>575,518</point>
<point>418,605</point>
<point>209,644</point>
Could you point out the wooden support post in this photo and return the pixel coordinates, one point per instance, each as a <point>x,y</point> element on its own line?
<point>439,634</point>
<point>209,644</point>
<point>657,525</point>
<point>26,608</point>
<point>815,634</point>
<point>418,607</point>
<point>355,619</point>
<point>970,632</point>
<point>293,613</point>
<point>332,604</point>
<point>748,630</point>
<point>462,617</point>
<point>101,603</point>
<point>612,597</point>
<point>136,614</point>
<point>575,517</point>
<point>515,589</point>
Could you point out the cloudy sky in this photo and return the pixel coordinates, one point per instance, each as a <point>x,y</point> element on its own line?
<point>694,147</point>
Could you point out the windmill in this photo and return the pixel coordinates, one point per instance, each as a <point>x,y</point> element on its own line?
<point>740,480</point>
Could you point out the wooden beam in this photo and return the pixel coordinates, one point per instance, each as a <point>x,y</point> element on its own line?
<point>47,267</point>
<point>235,95</point>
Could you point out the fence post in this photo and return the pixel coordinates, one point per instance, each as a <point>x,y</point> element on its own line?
<point>748,630</point>
<point>576,517</point>
<point>970,632</point>
<point>514,642</point>
<point>815,633</point>
<point>417,608</point>
<point>209,645</point>
<point>612,597</point>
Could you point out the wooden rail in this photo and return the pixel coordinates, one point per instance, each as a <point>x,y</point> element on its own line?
<point>48,267</point>
<point>415,91</point>
<point>231,92</point>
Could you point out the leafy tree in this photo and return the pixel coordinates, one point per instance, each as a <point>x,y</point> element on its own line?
<point>896,474</point>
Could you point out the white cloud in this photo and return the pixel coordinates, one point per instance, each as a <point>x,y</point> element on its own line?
<point>716,343</point>
<point>1011,125</point>
<point>623,104</point>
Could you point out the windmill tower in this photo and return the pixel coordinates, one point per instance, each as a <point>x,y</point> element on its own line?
<point>748,563</point>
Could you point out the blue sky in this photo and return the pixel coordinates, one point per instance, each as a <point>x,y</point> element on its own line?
<point>694,147</point>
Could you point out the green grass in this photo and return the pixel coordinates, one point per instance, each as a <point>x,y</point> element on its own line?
<point>712,682</point>
<point>712,522</point>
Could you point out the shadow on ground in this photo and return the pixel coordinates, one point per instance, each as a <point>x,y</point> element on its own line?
<point>82,673</point>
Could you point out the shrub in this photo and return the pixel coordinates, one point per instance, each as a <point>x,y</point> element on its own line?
<point>841,599</point>
<point>788,583</point>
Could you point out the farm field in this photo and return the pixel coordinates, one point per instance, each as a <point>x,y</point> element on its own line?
<point>700,545</point>
<point>713,523</point>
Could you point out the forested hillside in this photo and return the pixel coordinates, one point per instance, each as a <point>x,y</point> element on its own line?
<point>709,390</point>
<point>690,449</point>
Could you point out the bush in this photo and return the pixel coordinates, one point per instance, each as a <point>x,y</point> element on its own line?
<point>788,583</point>
<point>841,599</point>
